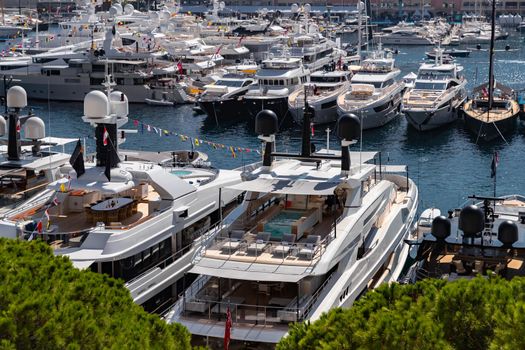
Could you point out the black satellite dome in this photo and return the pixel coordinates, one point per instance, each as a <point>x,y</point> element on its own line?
<point>441,227</point>
<point>266,122</point>
<point>349,127</point>
<point>508,233</point>
<point>471,220</point>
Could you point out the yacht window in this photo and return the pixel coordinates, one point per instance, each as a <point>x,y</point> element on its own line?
<point>229,83</point>
<point>246,83</point>
<point>325,79</point>
<point>281,82</point>
<point>388,83</point>
<point>12,67</point>
<point>430,85</point>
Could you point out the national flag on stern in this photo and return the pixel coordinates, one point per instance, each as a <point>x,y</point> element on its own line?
<point>227,329</point>
<point>494,165</point>
<point>77,159</point>
<point>105,137</point>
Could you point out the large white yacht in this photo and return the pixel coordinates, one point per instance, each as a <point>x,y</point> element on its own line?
<point>321,93</point>
<point>223,98</point>
<point>68,75</point>
<point>313,233</point>
<point>438,94</point>
<point>315,50</point>
<point>277,78</point>
<point>374,94</point>
<point>134,220</point>
<point>404,34</point>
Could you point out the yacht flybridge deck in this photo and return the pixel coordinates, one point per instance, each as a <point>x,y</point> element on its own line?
<point>313,232</point>
<point>486,237</point>
<point>132,219</point>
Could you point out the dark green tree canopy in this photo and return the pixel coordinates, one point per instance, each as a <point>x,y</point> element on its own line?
<point>432,314</point>
<point>45,303</point>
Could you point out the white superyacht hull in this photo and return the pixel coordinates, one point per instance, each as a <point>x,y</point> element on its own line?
<point>377,113</point>
<point>325,110</point>
<point>424,119</point>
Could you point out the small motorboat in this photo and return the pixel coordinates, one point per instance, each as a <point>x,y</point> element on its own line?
<point>162,102</point>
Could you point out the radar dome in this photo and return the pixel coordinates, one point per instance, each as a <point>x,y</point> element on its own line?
<point>34,128</point>
<point>307,8</point>
<point>441,227</point>
<point>508,233</point>
<point>113,11</point>
<point>16,97</point>
<point>3,126</point>
<point>471,220</point>
<point>266,122</point>
<point>96,105</point>
<point>119,103</point>
<point>294,8</point>
<point>348,127</point>
<point>128,9</point>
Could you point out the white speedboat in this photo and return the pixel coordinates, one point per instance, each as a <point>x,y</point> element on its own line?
<point>321,92</point>
<point>130,219</point>
<point>313,233</point>
<point>437,96</point>
<point>374,94</point>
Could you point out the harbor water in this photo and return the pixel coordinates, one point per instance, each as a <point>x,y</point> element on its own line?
<point>447,164</point>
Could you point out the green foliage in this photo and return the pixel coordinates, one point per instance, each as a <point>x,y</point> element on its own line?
<point>432,314</point>
<point>45,303</point>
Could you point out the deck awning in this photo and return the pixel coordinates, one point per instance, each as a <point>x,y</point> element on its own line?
<point>297,187</point>
<point>250,271</point>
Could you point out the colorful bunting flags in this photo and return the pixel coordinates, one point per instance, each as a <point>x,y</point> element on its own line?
<point>194,141</point>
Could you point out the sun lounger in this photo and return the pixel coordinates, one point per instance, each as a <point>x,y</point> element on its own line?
<point>311,245</point>
<point>260,244</point>
<point>234,241</point>
<point>283,249</point>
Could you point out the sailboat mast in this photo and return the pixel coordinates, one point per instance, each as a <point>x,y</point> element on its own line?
<point>491,55</point>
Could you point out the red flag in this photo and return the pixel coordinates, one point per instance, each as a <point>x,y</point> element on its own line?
<point>105,137</point>
<point>227,329</point>
<point>218,50</point>
<point>179,67</point>
<point>39,226</point>
<point>484,91</point>
<point>18,126</point>
<point>312,128</point>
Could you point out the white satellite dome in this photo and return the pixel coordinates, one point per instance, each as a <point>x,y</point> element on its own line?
<point>16,97</point>
<point>128,9</point>
<point>307,8</point>
<point>119,103</point>
<point>114,10</point>
<point>165,15</point>
<point>294,8</point>
<point>34,128</point>
<point>360,6</point>
<point>3,126</point>
<point>96,105</point>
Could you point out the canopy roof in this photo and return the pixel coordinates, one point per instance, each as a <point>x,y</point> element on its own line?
<point>249,271</point>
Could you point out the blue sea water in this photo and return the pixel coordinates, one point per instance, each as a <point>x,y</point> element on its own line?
<point>447,164</point>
